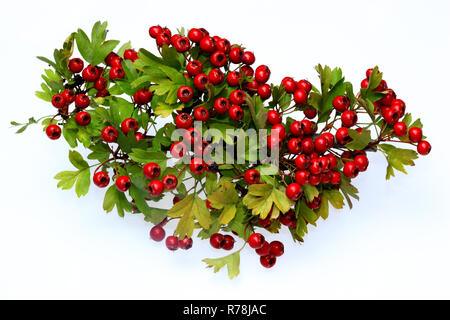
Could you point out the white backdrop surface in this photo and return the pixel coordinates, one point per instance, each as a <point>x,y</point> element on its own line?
<point>393,244</point>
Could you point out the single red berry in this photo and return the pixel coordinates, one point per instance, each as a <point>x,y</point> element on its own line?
<point>208,44</point>
<point>142,96</point>
<point>183,121</point>
<point>388,98</point>
<point>123,183</point>
<point>53,131</point>
<point>154,31</point>
<point>109,134</point>
<point>252,176</point>
<point>300,97</point>
<point>194,68</point>
<point>361,162</point>
<point>237,97</point>
<point>90,74</point>
<point>216,76</point>
<point>110,57</point>
<point>216,240</point>
<point>83,118</point>
<point>315,203</point>
<point>294,145</point>
<point>390,115</point>
<point>176,200</point>
<point>273,117</point>
<point>424,147</point>
<point>400,129</point>
<point>350,169</point>
<point>182,44</point>
<point>185,94</point>
<point>116,61</point>
<point>76,65</point>
<point>247,71</point>
<point>341,103</point>
<point>236,54</point>
<point>192,135</point>
<point>139,136</point>
<point>330,139</point>
<point>305,85</point>
<point>264,250</point>
<point>333,161</point>
<point>308,127</point>
<point>342,135</point>
<point>130,54</point>
<point>268,261</point>
<point>223,45</point>
<point>335,177</point>
<point>365,83</point>
<point>264,91</point>
<point>278,129</point>
<point>301,177</point>
<point>155,188</point>
<point>289,84</point>
<point>209,206</point>
<point>218,59</point>
<point>195,35</point>
<point>276,248</point>
<point>294,191</point>
<point>321,144</point>
<point>381,87</point>
<point>157,233</point>
<point>415,134</point>
<point>197,166</point>
<point>233,78</point>
<point>289,219</point>
<point>58,101</point>
<point>349,118</point>
<point>201,114</point>
<point>151,170</point>
<point>248,58</point>
<point>116,73</point>
<point>315,166</point>
<point>310,114</point>
<point>266,222</point>
<point>162,39</point>
<point>302,161</point>
<point>262,74</point>
<point>101,179</point>
<point>172,243</point>
<point>178,149</point>
<point>128,125</point>
<point>82,101</point>
<point>256,240</point>
<point>100,84</point>
<point>228,242</point>
<point>236,113</point>
<point>221,105</point>
<point>296,129</point>
<point>103,93</point>
<point>274,142</point>
<point>185,243</point>
<point>307,146</point>
<point>201,81</point>
<point>399,106</point>
<point>69,96</point>
<point>170,182</point>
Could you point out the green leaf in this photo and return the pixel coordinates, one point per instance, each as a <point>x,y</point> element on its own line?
<point>77,160</point>
<point>348,190</point>
<point>261,197</point>
<point>115,198</point>
<point>231,261</point>
<point>359,140</point>
<point>397,158</point>
<point>83,182</point>
<point>334,197</point>
<point>310,192</point>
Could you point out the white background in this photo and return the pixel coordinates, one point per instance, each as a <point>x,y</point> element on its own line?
<point>393,244</point>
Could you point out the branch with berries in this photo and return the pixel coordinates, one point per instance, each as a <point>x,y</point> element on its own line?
<point>112,101</point>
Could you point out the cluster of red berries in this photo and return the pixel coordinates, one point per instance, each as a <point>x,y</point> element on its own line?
<point>157,233</point>
<point>268,252</point>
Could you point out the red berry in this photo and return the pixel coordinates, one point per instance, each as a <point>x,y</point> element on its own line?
<point>310,114</point>
<point>296,129</point>
<point>268,261</point>
<point>162,39</point>
<point>82,101</point>
<point>302,161</point>
<point>335,177</point>
<point>307,146</point>
<point>248,58</point>
<point>390,115</point>
<point>178,149</point>
<point>155,31</point>
<point>186,243</point>
<point>295,145</point>
<point>294,191</point>
<point>349,118</point>
<point>109,134</point>
<point>208,44</point>
<point>172,243</point>
<point>116,73</point>
<point>69,96</point>
<point>192,135</point>
<point>223,45</point>
<point>424,147</point>
<point>216,76</point>
<point>300,97</point>
<point>399,106</point>
<point>361,162</point>
<point>216,240</point>
<point>129,124</point>
<point>130,54</point>
<point>381,87</point>
<point>101,179</point>
<point>53,131</point>
<point>181,44</point>
<point>273,117</point>
<point>142,96</point>
<point>301,177</point>
<point>333,161</point>
<point>342,135</point>
<point>276,248</point>
<point>139,136</point>
<point>110,57</point>
<point>266,222</point>
<point>248,71</point>
<point>388,98</point>
<point>83,118</point>
<point>350,169</point>
<point>289,219</point>
<point>157,233</point>
<point>197,166</point>
<point>170,182</point>
<point>58,101</point>
<point>264,91</point>
<point>237,97</point>
<point>221,105</point>
<point>201,114</point>
<point>262,74</point>
<point>116,61</point>
<point>264,250</point>
<point>201,81</point>
<point>233,78</point>
<point>415,134</point>
<point>176,200</point>
<point>321,144</point>
<point>365,83</point>
<point>315,166</point>
<point>194,68</point>
<point>236,54</point>
<point>236,113</point>
<point>274,142</point>
<point>195,35</point>
<point>123,183</point>
<point>308,127</point>
<point>228,242</point>
<point>256,240</point>
<point>252,176</point>
<point>305,85</point>
<point>315,203</point>
<point>183,121</point>
<point>341,103</point>
<point>185,94</point>
<point>278,129</point>
<point>76,65</point>
<point>218,59</point>
<point>289,84</point>
<point>155,188</point>
<point>151,170</point>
